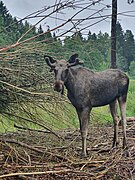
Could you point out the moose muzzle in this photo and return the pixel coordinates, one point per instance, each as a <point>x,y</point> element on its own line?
<point>59,86</point>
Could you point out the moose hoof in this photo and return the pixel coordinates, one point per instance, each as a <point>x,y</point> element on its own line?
<point>115,144</point>
<point>113,149</point>
<point>126,153</point>
<point>83,155</point>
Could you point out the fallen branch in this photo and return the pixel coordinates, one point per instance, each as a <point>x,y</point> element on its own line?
<point>46,165</point>
<point>36,173</point>
<point>130,119</point>
<point>23,145</point>
<point>23,128</point>
<point>131,138</point>
<point>24,90</point>
<point>88,163</point>
<point>37,123</point>
<point>36,150</point>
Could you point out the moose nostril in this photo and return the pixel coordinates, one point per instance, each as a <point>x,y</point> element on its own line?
<point>58,86</point>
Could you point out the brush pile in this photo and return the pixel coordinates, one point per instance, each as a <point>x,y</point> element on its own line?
<point>22,78</point>
<point>29,154</point>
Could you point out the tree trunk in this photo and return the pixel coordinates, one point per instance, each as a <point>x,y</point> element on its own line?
<point>113,34</point>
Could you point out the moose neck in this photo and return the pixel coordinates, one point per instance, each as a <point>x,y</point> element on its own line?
<point>69,83</point>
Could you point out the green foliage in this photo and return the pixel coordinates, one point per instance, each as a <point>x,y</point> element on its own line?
<point>125,48</point>
<point>132,69</point>
<point>4,37</point>
<point>129,51</point>
<point>94,50</point>
<point>91,50</point>
<point>130,99</point>
<point>11,29</point>
<point>3,9</point>
<point>63,116</point>
<point>122,62</point>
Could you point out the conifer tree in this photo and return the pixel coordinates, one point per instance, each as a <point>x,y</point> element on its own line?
<point>120,37</point>
<point>94,36</point>
<point>120,43</point>
<point>40,31</point>
<point>48,35</point>
<point>89,35</point>
<point>3,10</point>
<point>129,50</point>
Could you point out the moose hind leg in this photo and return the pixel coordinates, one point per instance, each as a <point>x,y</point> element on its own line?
<point>83,116</point>
<point>113,109</point>
<point>122,104</point>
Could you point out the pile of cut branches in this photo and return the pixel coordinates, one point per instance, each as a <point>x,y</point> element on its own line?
<point>28,154</point>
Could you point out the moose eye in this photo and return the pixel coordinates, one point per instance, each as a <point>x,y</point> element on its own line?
<point>55,71</point>
<point>64,74</point>
<point>66,71</point>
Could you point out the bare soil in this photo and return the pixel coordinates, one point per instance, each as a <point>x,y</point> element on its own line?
<point>34,155</point>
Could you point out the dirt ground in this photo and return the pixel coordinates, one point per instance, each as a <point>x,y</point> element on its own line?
<point>35,155</point>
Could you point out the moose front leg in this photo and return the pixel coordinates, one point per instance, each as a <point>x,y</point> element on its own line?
<point>84,115</point>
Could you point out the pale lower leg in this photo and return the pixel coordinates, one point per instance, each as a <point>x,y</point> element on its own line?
<point>123,121</point>
<point>84,118</point>
<point>84,148</point>
<point>113,109</point>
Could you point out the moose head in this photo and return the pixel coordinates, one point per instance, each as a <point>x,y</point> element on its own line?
<point>61,70</point>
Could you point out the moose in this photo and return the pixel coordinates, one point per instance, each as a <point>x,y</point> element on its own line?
<point>87,89</point>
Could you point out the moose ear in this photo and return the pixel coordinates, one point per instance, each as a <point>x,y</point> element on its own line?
<point>50,61</point>
<point>76,62</point>
<point>72,59</point>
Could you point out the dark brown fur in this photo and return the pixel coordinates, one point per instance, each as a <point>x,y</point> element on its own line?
<point>87,89</point>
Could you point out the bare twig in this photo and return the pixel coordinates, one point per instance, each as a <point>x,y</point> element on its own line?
<point>29,120</point>
<point>36,173</point>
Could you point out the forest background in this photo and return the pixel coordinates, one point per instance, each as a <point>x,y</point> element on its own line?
<point>93,48</point>
<point>26,81</point>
